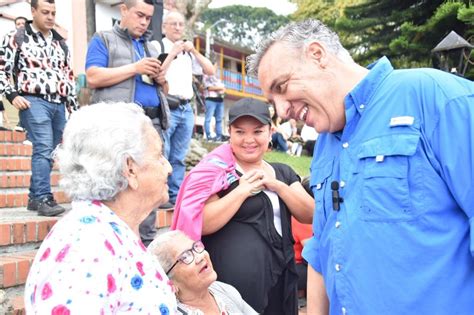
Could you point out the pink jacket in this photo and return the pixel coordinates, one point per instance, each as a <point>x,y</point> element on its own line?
<point>214,173</point>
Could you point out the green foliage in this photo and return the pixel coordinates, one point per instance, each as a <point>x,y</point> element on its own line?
<point>245,25</point>
<point>327,11</point>
<point>466,15</point>
<point>405,31</point>
<point>299,164</point>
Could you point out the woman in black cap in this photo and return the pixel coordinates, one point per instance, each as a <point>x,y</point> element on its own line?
<point>242,207</point>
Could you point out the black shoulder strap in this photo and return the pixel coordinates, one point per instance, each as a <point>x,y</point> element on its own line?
<point>162,46</point>
<point>19,38</point>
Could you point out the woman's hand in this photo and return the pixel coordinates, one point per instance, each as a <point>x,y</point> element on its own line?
<point>252,182</point>
<point>271,183</point>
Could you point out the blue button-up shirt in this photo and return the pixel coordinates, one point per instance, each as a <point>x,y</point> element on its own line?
<point>402,242</point>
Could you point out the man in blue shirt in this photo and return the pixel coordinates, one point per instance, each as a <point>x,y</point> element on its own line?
<point>122,66</point>
<point>392,175</point>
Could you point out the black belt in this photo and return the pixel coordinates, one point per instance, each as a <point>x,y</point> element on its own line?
<point>184,101</point>
<point>151,111</point>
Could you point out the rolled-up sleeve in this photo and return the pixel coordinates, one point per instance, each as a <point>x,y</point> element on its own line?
<point>311,253</point>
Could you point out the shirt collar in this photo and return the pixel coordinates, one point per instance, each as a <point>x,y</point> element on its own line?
<point>360,96</point>
<point>35,31</point>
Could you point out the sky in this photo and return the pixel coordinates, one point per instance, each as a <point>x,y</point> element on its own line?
<point>282,7</point>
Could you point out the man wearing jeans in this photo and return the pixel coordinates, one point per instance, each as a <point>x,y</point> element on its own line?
<point>39,62</point>
<point>182,59</point>
<point>214,91</point>
<point>122,65</point>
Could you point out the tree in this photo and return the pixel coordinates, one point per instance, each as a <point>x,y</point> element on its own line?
<point>190,9</point>
<point>405,31</point>
<point>245,25</point>
<point>327,11</point>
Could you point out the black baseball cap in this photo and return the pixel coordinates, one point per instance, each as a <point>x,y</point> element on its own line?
<point>250,107</point>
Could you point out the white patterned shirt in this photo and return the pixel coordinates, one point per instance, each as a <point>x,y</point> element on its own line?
<point>91,262</point>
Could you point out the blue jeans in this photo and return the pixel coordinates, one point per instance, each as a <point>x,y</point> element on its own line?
<point>44,122</point>
<point>214,109</point>
<point>177,139</point>
<point>279,143</point>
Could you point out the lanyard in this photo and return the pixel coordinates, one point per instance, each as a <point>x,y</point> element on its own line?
<point>137,51</point>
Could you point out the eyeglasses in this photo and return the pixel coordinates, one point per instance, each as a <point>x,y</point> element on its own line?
<point>176,24</point>
<point>187,257</point>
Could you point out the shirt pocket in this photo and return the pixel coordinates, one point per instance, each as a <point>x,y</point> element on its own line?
<point>383,168</point>
<point>320,186</point>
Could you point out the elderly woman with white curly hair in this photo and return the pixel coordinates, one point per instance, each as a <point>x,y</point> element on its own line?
<point>92,261</point>
<point>193,278</point>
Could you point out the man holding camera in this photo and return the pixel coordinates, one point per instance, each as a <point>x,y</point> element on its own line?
<point>182,62</point>
<point>121,65</point>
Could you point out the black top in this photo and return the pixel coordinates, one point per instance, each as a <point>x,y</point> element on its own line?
<point>249,254</point>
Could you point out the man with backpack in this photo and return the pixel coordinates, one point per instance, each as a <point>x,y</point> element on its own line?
<point>182,62</point>
<point>122,66</point>
<point>37,59</point>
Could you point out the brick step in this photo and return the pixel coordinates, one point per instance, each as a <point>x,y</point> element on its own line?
<point>14,268</point>
<point>21,179</point>
<point>14,163</point>
<point>15,149</point>
<point>18,197</point>
<point>163,218</point>
<point>12,136</point>
<point>27,230</point>
<point>20,227</point>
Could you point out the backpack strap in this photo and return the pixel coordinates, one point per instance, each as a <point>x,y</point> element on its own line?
<point>19,38</point>
<point>162,46</point>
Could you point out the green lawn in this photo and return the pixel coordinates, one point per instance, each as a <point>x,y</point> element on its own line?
<point>299,164</point>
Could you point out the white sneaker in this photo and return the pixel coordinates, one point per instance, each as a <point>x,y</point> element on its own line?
<point>18,128</point>
<point>27,142</point>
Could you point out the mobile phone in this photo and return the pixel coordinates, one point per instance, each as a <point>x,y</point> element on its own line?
<point>162,57</point>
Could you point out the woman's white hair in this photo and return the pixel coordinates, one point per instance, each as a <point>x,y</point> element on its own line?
<point>97,141</point>
<point>297,35</point>
<point>163,246</point>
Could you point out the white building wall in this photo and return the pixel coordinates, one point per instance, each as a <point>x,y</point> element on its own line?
<point>104,14</point>
<point>14,10</point>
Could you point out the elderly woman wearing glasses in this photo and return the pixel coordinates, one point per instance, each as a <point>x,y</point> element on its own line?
<point>92,261</point>
<point>190,269</point>
<point>241,207</point>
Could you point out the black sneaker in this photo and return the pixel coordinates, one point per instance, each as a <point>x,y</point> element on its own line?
<point>167,206</point>
<point>33,204</point>
<point>48,207</point>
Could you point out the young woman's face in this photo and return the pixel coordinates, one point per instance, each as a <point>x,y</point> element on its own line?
<point>249,139</point>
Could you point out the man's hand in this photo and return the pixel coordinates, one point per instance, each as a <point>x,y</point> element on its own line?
<point>177,48</point>
<point>188,46</point>
<point>21,103</point>
<point>148,66</point>
<point>160,78</point>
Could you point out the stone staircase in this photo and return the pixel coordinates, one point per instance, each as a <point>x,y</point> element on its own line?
<point>22,231</point>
